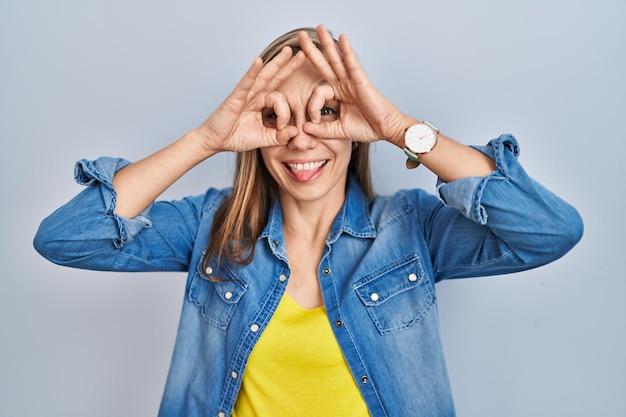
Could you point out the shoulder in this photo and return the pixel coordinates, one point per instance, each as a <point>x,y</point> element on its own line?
<point>389,209</point>
<point>213,198</point>
<point>404,200</point>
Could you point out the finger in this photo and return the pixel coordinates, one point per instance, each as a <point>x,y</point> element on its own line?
<point>241,90</point>
<point>286,71</point>
<point>278,102</point>
<point>320,96</point>
<point>351,60</point>
<point>316,57</point>
<point>324,130</point>
<point>284,135</point>
<point>332,52</point>
<point>269,71</point>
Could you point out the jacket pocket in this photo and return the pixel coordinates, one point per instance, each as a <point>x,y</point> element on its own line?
<point>217,300</point>
<point>396,295</point>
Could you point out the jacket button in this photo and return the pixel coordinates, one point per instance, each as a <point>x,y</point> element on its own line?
<point>374,297</point>
<point>364,379</point>
<point>412,277</point>
<point>234,375</point>
<point>254,328</point>
<point>275,243</point>
<point>208,270</point>
<point>338,323</point>
<point>326,271</point>
<point>228,295</point>
<point>221,414</point>
<point>282,277</point>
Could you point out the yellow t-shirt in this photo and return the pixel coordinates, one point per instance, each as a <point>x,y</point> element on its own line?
<point>297,369</point>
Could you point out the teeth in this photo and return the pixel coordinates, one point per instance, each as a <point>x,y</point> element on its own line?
<point>307,166</point>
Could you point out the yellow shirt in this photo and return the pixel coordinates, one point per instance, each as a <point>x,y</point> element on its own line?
<point>297,369</point>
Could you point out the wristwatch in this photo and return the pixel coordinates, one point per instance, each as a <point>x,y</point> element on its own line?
<point>419,139</point>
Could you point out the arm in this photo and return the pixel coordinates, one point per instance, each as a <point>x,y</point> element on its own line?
<point>86,233</point>
<point>96,228</point>
<point>367,115</point>
<point>501,223</point>
<point>236,125</point>
<point>515,222</point>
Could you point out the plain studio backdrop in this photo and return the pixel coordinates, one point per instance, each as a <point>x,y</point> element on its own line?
<point>82,79</point>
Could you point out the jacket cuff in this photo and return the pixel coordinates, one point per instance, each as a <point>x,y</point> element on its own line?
<point>466,194</point>
<point>99,173</point>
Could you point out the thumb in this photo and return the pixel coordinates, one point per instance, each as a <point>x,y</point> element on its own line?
<point>285,134</point>
<point>323,130</point>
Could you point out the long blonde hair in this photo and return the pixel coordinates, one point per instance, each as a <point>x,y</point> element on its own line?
<point>243,215</point>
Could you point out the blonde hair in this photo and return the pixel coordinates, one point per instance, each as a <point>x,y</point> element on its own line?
<point>243,215</point>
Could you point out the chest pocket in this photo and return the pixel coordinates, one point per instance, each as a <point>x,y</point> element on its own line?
<point>217,300</point>
<point>396,295</point>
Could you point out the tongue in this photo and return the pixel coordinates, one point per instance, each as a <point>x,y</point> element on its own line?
<point>304,175</point>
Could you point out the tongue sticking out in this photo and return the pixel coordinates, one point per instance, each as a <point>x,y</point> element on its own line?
<point>305,172</point>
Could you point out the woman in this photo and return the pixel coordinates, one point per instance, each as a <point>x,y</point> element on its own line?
<point>322,293</point>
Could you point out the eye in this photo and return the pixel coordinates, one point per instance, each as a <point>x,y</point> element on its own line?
<point>330,111</point>
<point>327,111</point>
<point>269,117</point>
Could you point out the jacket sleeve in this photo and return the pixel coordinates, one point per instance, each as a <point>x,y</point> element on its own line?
<point>86,233</point>
<point>515,223</point>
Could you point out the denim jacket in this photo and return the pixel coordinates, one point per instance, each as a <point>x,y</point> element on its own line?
<point>378,271</point>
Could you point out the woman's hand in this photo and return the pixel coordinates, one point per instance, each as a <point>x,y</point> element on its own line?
<point>236,125</point>
<point>366,115</point>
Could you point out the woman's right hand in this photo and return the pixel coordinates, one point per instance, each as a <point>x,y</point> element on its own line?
<point>237,125</point>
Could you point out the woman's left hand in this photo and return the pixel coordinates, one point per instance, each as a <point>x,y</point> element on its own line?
<point>366,115</point>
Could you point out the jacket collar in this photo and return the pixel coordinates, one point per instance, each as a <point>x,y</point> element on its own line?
<point>353,218</point>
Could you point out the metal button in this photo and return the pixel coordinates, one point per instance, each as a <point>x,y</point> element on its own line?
<point>412,277</point>
<point>208,270</point>
<point>338,323</point>
<point>254,328</point>
<point>364,379</point>
<point>234,374</point>
<point>221,414</point>
<point>326,271</point>
<point>282,277</point>
<point>275,243</point>
<point>374,297</point>
<point>228,295</point>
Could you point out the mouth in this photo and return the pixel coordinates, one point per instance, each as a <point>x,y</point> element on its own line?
<point>305,171</point>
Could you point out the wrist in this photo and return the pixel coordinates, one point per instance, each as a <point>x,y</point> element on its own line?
<point>398,136</point>
<point>200,143</point>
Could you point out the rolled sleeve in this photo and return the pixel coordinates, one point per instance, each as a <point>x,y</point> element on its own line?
<point>466,194</point>
<point>99,173</point>
<point>536,224</point>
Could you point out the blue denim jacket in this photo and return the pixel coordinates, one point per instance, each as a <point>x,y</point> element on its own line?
<point>378,272</point>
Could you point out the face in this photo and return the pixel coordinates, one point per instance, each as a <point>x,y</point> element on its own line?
<point>307,169</point>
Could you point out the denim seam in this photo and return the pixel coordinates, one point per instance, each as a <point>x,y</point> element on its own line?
<point>478,265</point>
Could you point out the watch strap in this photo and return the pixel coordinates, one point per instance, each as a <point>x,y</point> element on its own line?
<point>412,160</point>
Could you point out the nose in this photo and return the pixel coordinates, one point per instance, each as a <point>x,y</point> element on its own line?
<point>302,140</point>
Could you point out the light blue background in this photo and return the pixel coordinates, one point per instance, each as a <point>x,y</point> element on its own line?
<point>124,78</point>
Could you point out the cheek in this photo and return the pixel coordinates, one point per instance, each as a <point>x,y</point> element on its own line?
<point>269,160</point>
<point>267,156</point>
<point>344,152</point>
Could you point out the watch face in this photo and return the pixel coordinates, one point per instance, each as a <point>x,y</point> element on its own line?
<point>420,138</point>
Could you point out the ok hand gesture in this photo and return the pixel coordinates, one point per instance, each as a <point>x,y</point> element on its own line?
<point>366,115</point>
<point>236,125</point>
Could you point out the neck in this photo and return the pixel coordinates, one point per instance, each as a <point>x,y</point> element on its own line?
<point>309,221</point>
